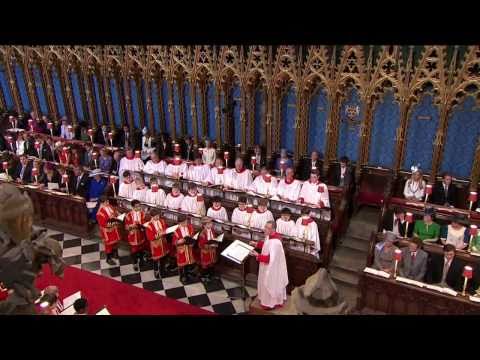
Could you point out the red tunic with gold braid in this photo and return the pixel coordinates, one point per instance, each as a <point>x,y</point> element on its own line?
<point>184,253</point>
<point>136,237</point>
<point>109,231</point>
<point>158,243</point>
<point>208,253</point>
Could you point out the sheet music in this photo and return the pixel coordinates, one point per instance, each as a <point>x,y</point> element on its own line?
<point>104,311</point>
<point>52,186</point>
<point>69,300</point>
<point>196,235</point>
<point>410,281</point>
<point>68,311</point>
<point>219,238</point>
<point>121,217</point>
<point>171,229</point>
<point>377,272</point>
<point>474,298</point>
<point>237,251</point>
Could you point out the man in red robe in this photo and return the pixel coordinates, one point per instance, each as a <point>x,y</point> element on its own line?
<point>208,250</point>
<point>182,244</point>
<point>109,229</point>
<point>159,248</point>
<point>134,221</point>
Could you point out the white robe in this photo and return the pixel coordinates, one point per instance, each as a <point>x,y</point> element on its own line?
<point>260,186</point>
<point>126,190</point>
<point>200,173</point>
<point>289,191</point>
<point>272,277</point>
<point>139,194</point>
<point>413,189</point>
<point>173,202</point>
<point>156,198</point>
<point>175,170</point>
<point>134,165</point>
<point>311,195</point>
<point>192,205</point>
<point>258,219</point>
<point>238,181</point>
<point>208,156</point>
<point>220,214</point>
<point>151,167</point>
<point>308,232</point>
<point>241,217</point>
<point>286,227</point>
<point>147,147</point>
<point>217,179</point>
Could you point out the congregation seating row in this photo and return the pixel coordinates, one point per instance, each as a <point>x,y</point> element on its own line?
<point>388,295</point>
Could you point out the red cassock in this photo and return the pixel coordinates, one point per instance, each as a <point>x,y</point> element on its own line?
<point>136,237</point>
<point>184,253</point>
<point>65,158</point>
<point>208,254</point>
<point>109,231</point>
<point>158,243</point>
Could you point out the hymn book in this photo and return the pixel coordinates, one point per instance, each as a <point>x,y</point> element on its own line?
<point>377,272</point>
<point>104,311</point>
<point>171,229</point>
<point>237,251</point>
<point>410,281</point>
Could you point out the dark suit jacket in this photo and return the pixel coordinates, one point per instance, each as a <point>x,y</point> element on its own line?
<point>29,147</point>
<point>454,278</point>
<point>164,150</point>
<point>46,152</point>
<point>306,168</point>
<point>100,139</point>
<point>115,167</point>
<point>27,174</point>
<point>188,153</point>
<point>55,179</point>
<point>388,224</point>
<point>438,194</point>
<point>348,177</point>
<point>82,188</point>
<point>3,144</point>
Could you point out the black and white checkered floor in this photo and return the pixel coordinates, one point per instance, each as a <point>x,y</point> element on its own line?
<point>87,254</point>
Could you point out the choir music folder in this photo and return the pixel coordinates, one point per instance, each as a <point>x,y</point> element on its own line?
<point>171,229</point>
<point>237,251</point>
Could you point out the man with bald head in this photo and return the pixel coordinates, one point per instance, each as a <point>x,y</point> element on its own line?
<point>238,178</point>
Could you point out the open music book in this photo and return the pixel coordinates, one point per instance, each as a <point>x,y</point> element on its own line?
<point>104,311</point>
<point>121,217</point>
<point>410,281</point>
<point>237,251</point>
<point>443,290</point>
<point>474,298</point>
<point>171,229</point>
<point>52,186</point>
<point>68,303</point>
<point>377,272</point>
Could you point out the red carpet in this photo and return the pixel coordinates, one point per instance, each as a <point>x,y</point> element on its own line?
<point>120,298</point>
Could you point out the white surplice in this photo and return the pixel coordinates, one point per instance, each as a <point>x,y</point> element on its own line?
<point>313,193</point>
<point>241,217</point>
<point>200,173</point>
<point>140,194</point>
<point>272,277</point>
<point>259,219</point>
<point>133,165</point>
<point>218,178</point>
<point>260,186</point>
<point>151,167</point>
<point>176,170</point>
<point>238,180</point>
<point>286,227</point>
<point>192,205</point>
<point>220,214</point>
<point>289,191</point>
<point>156,198</point>
<point>173,202</point>
<point>308,232</point>
<point>208,156</point>
<point>126,190</point>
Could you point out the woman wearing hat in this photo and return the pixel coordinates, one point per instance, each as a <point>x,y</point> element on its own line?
<point>455,234</point>
<point>384,253</point>
<point>96,189</point>
<point>415,186</point>
<point>427,230</point>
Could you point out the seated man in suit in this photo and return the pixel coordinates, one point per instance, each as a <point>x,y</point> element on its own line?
<point>342,175</point>
<point>187,149</point>
<point>446,270</point>
<point>444,193</point>
<point>312,163</point>
<point>23,171</point>
<point>79,184</point>
<point>101,136</point>
<point>414,261</point>
<point>395,222</point>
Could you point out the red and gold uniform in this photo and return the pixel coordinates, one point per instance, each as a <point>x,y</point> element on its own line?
<point>136,236</point>
<point>208,253</point>
<point>158,243</point>
<point>109,230</point>
<point>184,252</point>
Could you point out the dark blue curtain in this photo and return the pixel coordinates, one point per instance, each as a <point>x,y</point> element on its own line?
<point>198,103</point>
<point>259,112</point>
<point>6,89</point>
<point>155,102</point>
<point>165,105</point>
<point>349,132</point>
<point>288,114</point>
<point>386,119</point>
<point>318,121</point>
<point>57,88</point>
<point>176,106</point>
<point>117,112</point>
<point>212,131</point>
<point>77,98</point>
<point>22,88</point>
<point>144,104</point>
<point>98,105</point>
<point>421,134</point>
<point>42,100</point>
<point>134,102</point>
<point>462,138</point>
<point>237,128</point>
<point>188,108</point>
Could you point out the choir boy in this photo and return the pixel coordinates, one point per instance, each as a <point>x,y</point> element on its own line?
<point>155,232</point>
<point>182,243</point>
<point>193,202</point>
<point>174,199</point>
<point>307,229</point>
<point>140,191</point>
<point>199,172</point>
<point>177,168</point>
<point>238,178</point>
<point>134,221</point>
<point>155,195</point>
<point>217,211</point>
<point>208,250</point>
<point>262,215</point>
<point>264,184</point>
<point>127,186</point>
<point>109,228</point>
<point>240,214</point>
<point>285,225</point>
